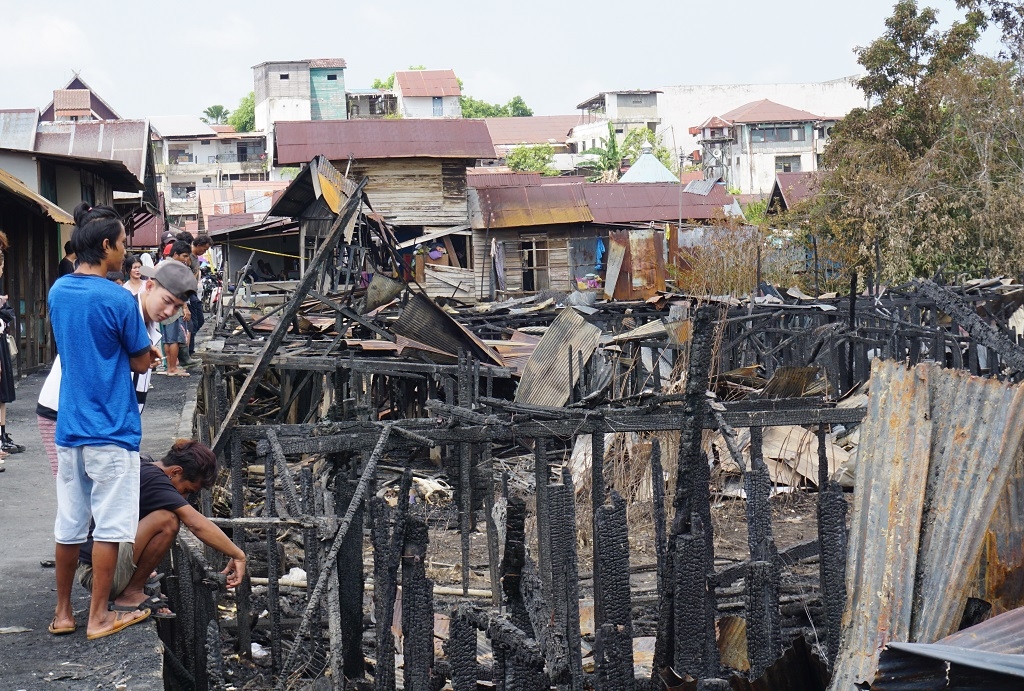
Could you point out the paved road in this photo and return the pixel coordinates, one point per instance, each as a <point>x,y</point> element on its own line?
<point>34,659</point>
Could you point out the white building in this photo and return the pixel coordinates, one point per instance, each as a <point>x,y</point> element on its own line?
<point>748,145</point>
<point>681,107</point>
<point>626,110</point>
<point>191,155</point>
<point>428,94</point>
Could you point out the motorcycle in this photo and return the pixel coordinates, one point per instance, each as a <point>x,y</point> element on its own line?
<point>213,286</point>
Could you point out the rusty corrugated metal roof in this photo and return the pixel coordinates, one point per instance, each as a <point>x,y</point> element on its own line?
<point>421,320</point>
<point>72,99</point>
<point>479,179</point>
<point>115,140</point>
<point>326,63</point>
<point>938,447</point>
<point>427,83</point>
<point>765,111</point>
<point>546,379</point>
<point>16,187</point>
<point>512,207</point>
<point>658,201</point>
<point>792,188</point>
<point>299,142</point>
<point>536,129</point>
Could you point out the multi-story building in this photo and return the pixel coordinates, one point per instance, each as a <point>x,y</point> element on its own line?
<point>748,145</point>
<point>626,110</point>
<point>311,89</point>
<point>191,155</point>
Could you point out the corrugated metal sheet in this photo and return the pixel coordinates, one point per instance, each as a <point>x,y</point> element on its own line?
<point>18,129</point>
<point>71,99</point>
<point>514,207</point>
<point>767,111</point>
<point>700,187</point>
<point>119,140</point>
<point>326,63</point>
<point>643,202</point>
<point>536,129</point>
<point>907,671</point>
<point>418,83</point>
<point>299,142</point>
<point>546,379</point>
<point>16,187</point>
<point>481,180</point>
<point>423,321</point>
<point>937,449</point>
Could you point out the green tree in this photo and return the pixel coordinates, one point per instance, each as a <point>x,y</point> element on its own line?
<point>517,108</point>
<point>244,117</point>
<point>535,159</point>
<point>633,143</point>
<point>608,159</point>
<point>475,108</point>
<point>215,115</point>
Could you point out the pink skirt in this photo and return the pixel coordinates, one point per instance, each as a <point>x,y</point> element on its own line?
<point>47,430</point>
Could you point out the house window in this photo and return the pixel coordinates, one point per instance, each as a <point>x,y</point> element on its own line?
<point>159,178</point>
<point>205,142</point>
<point>787,164</point>
<point>535,265</point>
<point>332,77</point>
<point>799,134</point>
<point>207,180</point>
<point>284,75</point>
<point>438,106</point>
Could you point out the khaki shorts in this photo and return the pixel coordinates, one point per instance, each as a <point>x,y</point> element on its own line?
<point>123,571</point>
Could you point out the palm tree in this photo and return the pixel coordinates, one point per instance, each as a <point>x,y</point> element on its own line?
<point>608,161</point>
<point>215,115</point>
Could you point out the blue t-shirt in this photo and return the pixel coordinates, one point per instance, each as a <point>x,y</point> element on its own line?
<point>97,327</point>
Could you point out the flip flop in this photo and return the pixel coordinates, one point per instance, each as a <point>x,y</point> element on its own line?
<point>120,623</point>
<point>154,604</point>
<point>63,630</point>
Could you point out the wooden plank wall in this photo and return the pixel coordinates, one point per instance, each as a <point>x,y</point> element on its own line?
<point>415,191</point>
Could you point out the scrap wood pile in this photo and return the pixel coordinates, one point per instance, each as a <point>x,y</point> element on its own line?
<point>480,443</point>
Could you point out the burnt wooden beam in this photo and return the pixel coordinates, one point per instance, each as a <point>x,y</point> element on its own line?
<point>262,363</point>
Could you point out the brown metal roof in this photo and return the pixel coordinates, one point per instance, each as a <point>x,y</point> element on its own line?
<point>767,111</point>
<point>326,63</point>
<point>656,201</point>
<point>427,83</point>
<point>72,99</point>
<point>113,140</point>
<point>96,104</point>
<point>537,129</point>
<point>299,142</point>
<point>16,187</point>
<point>937,449</point>
<point>512,207</point>
<point>423,321</point>
<point>793,188</point>
<point>481,180</point>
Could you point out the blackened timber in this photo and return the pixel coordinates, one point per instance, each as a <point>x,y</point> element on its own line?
<point>349,314</point>
<point>689,600</point>
<point>350,581</point>
<point>460,650</point>
<point>311,543</point>
<point>273,570</point>
<point>541,473</point>
<point>832,509</point>
<point>417,609</point>
<point>613,649</point>
<point>513,562</point>
<point>238,535</point>
<point>330,363</point>
<point>661,655</point>
<point>565,581</point>
<point>369,472</point>
<point>597,494</point>
<point>287,482</point>
<point>387,554</point>
<point>287,315</point>
<point>493,560</point>
<point>764,635</point>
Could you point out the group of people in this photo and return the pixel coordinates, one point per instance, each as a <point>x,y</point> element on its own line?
<point>118,513</point>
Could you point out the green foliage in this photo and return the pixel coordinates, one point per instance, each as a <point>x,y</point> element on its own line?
<point>609,158</point>
<point>475,108</point>
<point>289,173</point>
<point>215,115</point>
<point>389,83</point>
<point>755,212</point>
<point>633,143</point>
<point>244,117</point>
<point>535,159</point>
<point>933,173</point>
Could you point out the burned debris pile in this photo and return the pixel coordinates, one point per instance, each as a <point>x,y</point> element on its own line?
<point>525,494</point>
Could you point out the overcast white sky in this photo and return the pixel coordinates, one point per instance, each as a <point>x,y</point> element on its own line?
<point>171,58</point>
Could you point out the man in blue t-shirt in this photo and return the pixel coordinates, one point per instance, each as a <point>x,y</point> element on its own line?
<point>100,335</point>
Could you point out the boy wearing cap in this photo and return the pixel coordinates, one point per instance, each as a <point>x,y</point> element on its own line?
<point>169,287</point>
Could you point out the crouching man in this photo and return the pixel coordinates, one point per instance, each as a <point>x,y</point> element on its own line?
<point>163,487</point>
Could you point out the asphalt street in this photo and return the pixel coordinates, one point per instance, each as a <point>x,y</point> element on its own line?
<point>30,657</point>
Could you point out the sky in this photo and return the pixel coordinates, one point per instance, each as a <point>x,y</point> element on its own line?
<point>176,58</point>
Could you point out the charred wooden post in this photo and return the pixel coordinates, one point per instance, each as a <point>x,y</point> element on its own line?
<point>541,475</point>
<point>311,542</point>
<point>521,674</point>
<point>567,668</point>
<point>613,650</point>
<point>493,559</point>
<point>597,495</point>
<point>764,635</point>
<point>695,649</point>
<point>273,567</point>
<point>387,552</point>
<point>832,538</point>
<point>460,650</point>
<point>238,535</point>
<point>350,580</point>
<point>417,609</point>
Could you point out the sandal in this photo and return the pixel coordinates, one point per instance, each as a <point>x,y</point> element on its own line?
<point>153,604</point>
<point>63,630</point>
<point>120,623</point>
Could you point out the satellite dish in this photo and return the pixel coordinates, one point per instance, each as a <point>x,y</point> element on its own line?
<point>716,153</point>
